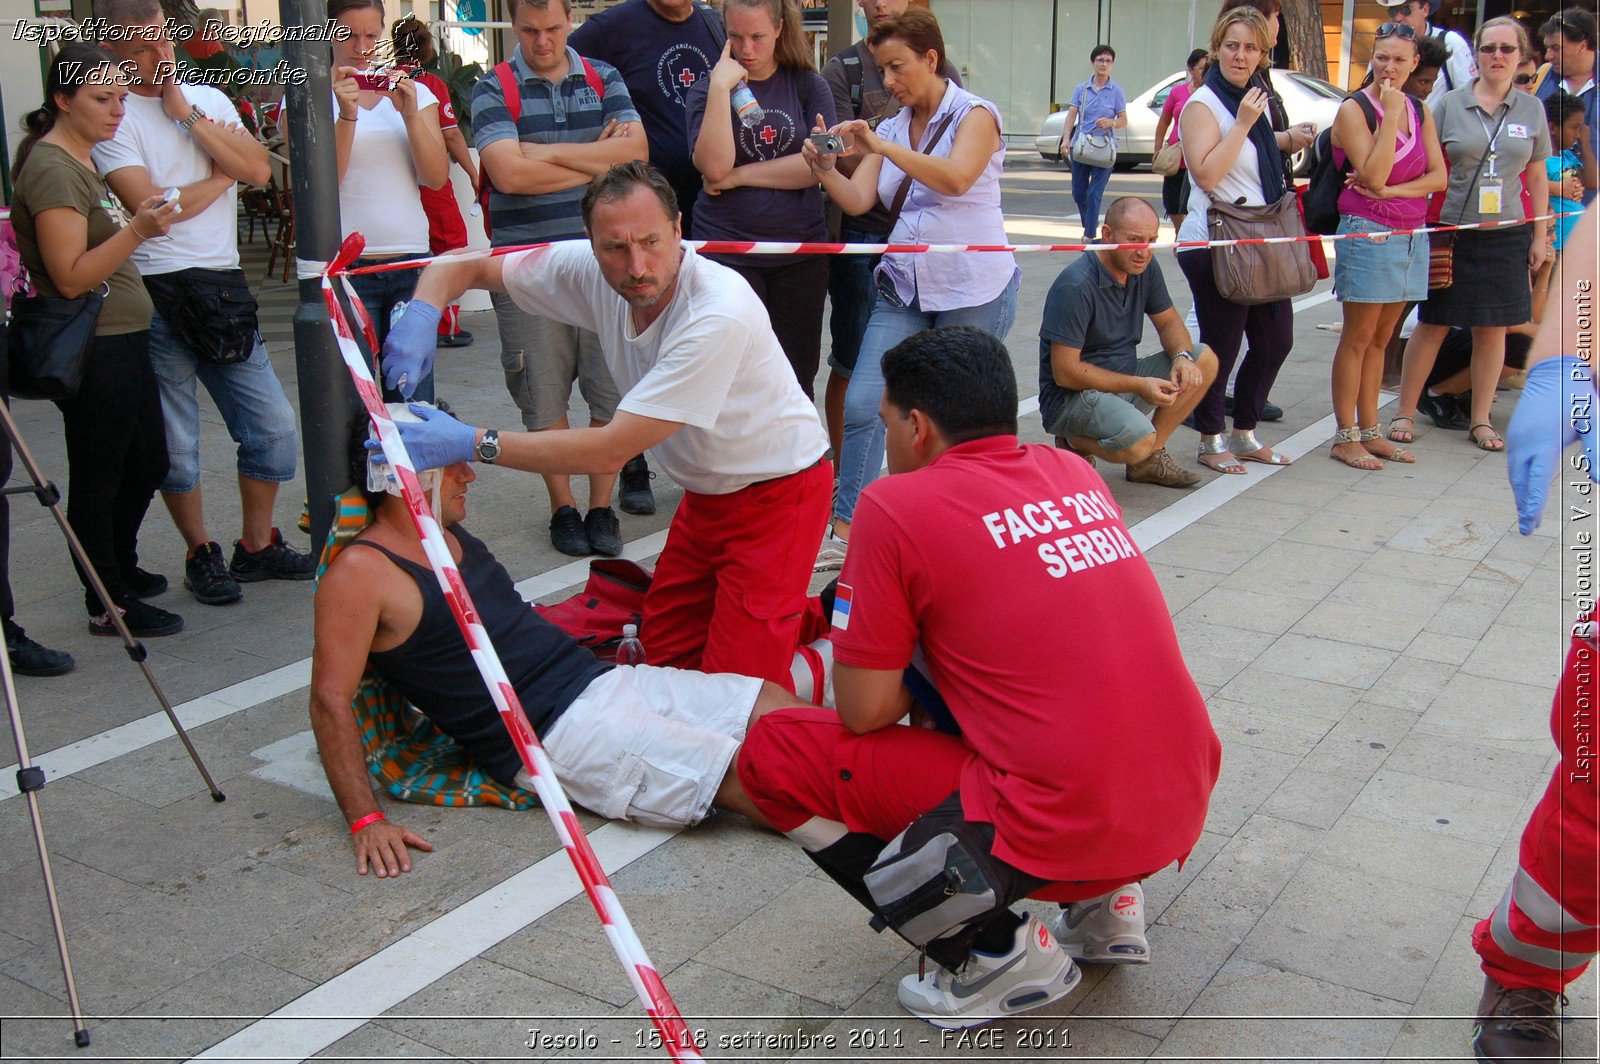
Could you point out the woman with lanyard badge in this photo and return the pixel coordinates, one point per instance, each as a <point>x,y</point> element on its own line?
<point>1492,134</point>
<point>936,165</point>
<point>388,143</point>
<point>1232,152</point>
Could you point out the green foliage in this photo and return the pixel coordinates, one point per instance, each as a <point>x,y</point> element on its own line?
<point>461,79</point>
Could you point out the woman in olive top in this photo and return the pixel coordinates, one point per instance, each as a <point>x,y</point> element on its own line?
<point>75,239</point>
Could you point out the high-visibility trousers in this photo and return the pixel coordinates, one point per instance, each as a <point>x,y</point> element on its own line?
<point>1546,929</point>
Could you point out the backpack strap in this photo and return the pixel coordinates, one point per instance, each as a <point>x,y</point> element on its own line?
<point>1369,112</point>
<point>713,21</point>
<point>509,89</point>
<point>853,77</point>
<point>592,76</point>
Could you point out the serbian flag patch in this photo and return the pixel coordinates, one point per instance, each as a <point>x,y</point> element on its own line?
<point>841,606</point>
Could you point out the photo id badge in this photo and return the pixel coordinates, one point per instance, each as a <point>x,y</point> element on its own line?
<point>1489,199</point>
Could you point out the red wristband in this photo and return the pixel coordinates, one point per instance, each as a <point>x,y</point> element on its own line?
<point>370,818</point>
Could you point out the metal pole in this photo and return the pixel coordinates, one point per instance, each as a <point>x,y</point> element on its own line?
<point>1055,24</point>
<point>328,410</point>
<point>1347,29</point>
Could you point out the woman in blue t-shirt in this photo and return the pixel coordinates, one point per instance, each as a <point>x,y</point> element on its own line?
<point>756,185</point>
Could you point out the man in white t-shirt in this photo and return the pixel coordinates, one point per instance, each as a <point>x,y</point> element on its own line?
<point>1459,69</point>
<point>705,385</point>
<point>189,137</point>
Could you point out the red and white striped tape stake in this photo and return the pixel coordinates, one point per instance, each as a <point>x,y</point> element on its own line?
<point>647,983</point>
<point>773,247</point>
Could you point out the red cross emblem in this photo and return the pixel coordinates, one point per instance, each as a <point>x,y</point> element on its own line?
<point>686,78</point>
<point>768,134</point>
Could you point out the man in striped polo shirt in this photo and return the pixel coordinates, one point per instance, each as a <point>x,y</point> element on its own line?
<point>575,120</point>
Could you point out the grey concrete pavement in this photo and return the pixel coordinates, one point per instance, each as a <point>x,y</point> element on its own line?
<point>1378,651</point>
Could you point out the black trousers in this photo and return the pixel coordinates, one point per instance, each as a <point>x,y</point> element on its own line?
<point>116,458</point>
<point>1224,326</point>
<point>793,290</point>
<point>8,605</point>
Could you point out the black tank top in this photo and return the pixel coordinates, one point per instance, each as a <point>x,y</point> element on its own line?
<point>434,670</point>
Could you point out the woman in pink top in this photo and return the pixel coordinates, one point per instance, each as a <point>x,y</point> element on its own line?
<point>1175,187</point>
<point>1395,162</point>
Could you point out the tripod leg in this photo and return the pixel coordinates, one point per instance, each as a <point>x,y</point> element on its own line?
<point>50,498</point>
<point>30,781</point>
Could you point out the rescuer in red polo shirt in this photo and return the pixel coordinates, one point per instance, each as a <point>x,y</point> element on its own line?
<point>1043,629</point>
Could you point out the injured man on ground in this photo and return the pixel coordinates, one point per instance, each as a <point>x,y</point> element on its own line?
<point>636,742</point>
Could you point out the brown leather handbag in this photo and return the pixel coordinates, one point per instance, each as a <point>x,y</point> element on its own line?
<point>1252,274</point>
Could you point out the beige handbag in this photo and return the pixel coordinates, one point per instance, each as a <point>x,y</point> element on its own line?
<point>1253,274</point>
<point>1168,160</point>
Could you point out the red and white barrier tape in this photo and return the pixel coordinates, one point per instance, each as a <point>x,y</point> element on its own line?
<point>647,983</point>
<point>771,247</point>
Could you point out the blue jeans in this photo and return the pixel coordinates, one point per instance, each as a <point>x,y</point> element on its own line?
<point>861,456</point>
<point>852,293</point>
<point>379,292</point>
<point>1088,187</point>
<point>249,398</point>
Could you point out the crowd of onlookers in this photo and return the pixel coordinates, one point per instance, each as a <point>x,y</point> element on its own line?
<point>730,107</point>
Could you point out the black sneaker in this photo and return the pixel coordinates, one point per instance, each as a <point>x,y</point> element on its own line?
<point>634,495</point>
<point>29,658</point>
<point>567,532</point>
<point>604,531</point>
<point>205,574</point>
<point>141,618</point>
<point>145,584</point>
<point>461,338</point>
<point>276,561</point>
<point>1270,411</point>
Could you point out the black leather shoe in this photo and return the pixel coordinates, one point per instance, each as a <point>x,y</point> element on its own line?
<point>604,531</point>
<point>1444,411</point>
<point>567,534</point>
<point>1270,411</point>
<point>458,339</point>
<point>633,493</point>
<point>30,658</point>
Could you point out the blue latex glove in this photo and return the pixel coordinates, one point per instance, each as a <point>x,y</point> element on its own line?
<point>1557,408</point>
<point>408,349</point>
<point>439,440</point>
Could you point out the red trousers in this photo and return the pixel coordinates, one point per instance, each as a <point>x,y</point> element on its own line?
<point>805,771</point>
<point>447,231</point>
<point>1544,932</point>
<point>730,588</point>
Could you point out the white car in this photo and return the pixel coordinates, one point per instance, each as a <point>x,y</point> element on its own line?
<point>1307,99</point>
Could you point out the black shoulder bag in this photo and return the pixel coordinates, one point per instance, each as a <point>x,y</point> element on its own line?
<point>49,343</point>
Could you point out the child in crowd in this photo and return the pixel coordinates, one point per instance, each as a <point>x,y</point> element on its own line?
<point>1571,169</point>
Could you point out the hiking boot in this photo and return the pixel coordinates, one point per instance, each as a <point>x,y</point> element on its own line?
<point>1161,468</point>
<point>145,584</point>
<point>1061,442</point>
<point>205,574</point>
<point>567,534</point>
<point>1108,929</point>
<point>30,658</point>
<point>276,561</point>
<point>1033,973</point>
<point>634,494</point>
<point>141,618</point>
<point>1516,1024</point>
<point>604,531</point>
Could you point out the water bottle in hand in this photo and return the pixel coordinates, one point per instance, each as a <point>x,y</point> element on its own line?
<point>746,107</point>
<point>631,651</point>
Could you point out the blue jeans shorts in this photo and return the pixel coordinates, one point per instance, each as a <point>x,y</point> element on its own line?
<point>1391,271</point>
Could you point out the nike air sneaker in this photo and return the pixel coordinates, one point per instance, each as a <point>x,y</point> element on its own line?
<point>1032,974</point>
<point>1106,930</point>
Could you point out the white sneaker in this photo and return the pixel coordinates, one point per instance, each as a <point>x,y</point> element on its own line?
<point>1032,974</point>
<point>831,554</point>
<point>1108,930</point>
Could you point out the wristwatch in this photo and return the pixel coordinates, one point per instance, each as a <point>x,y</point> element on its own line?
<point>1183,354</point>
<point>488,448</point>
<point>194,116</point>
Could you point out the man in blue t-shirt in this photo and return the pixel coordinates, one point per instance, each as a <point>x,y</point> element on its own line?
<point>1096,394</point>
<point>1569,43</point>
<point>539,162</point>
<point>662,47</point>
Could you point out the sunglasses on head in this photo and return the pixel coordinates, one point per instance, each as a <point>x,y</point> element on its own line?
<point>1396,29</point>
<point>1503,49</point>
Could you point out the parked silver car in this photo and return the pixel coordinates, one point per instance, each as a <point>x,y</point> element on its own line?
<point>1306,98</point>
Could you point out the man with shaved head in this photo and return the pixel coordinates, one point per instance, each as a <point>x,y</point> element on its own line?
<point>1096,394</point>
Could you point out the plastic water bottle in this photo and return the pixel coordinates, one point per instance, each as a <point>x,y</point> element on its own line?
<point>746,107</point>
<point>631,651</point>
<point>397,312</point>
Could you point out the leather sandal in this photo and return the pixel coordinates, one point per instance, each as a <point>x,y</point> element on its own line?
<point>1396,454</point>
<point>1247,448</point>
<point>1402,435</point>
<point>1367,462</point>
<point>1483,442</point>
<point>1221,460</point>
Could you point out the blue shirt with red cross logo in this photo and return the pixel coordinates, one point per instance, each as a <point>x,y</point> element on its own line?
<point>792,100</point>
